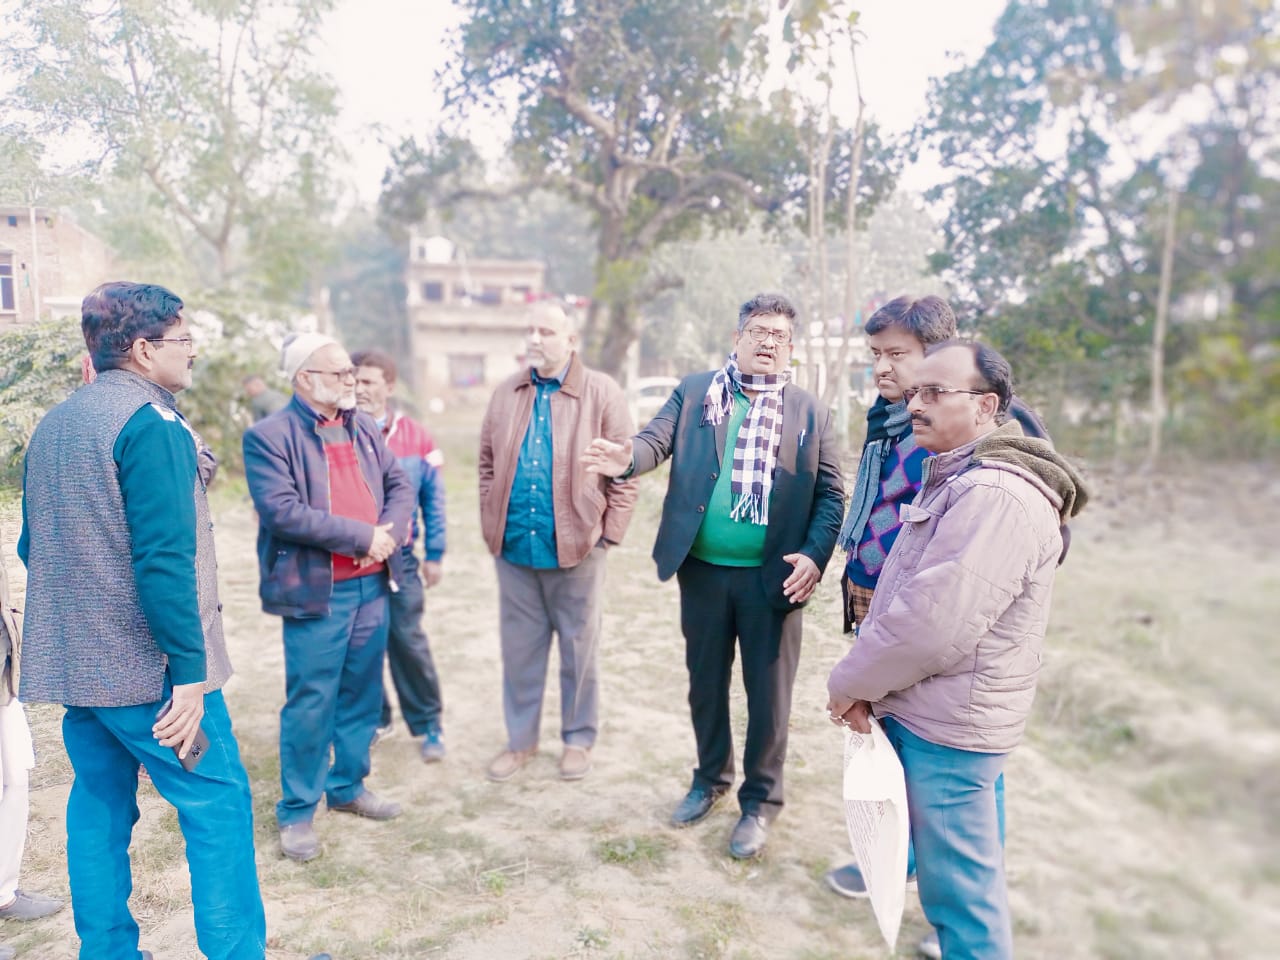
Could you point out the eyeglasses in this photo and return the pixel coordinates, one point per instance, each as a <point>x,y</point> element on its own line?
<point>185,341</point>
<point>761,334</point>
<point>931,393</point>
<point>346,373</point>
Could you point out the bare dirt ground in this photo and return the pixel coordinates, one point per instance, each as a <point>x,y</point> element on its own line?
<point>1142,807</point>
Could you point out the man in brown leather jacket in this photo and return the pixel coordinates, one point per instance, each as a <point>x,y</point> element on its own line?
<point>548,524</point>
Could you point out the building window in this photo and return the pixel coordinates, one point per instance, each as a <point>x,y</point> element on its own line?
<point>491,295</point>
<point>13,221</point>
<point>433,291</point>
<point>466,369</point>
<point>6,283</point>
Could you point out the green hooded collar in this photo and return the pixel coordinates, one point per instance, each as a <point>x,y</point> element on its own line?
<point>1007,445</point>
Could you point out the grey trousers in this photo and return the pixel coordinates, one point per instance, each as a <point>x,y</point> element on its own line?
<point>533,604</point>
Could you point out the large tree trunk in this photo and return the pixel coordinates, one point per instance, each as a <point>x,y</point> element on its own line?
<point>618,335</point>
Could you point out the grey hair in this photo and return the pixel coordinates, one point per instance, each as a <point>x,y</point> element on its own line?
<point>765,305</point>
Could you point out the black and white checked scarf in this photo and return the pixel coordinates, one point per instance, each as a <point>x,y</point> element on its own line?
<point>756,452</point>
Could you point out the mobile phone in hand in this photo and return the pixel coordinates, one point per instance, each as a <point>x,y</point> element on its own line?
<point>198,746</point>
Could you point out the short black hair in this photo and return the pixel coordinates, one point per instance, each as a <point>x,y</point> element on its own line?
<point>117,314</point>
<point>376,358</point>
<point>929,319</point>
<point>765,305</point>
<point>995,375</point>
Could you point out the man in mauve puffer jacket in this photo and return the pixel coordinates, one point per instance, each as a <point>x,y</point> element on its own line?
<point>948,655</point>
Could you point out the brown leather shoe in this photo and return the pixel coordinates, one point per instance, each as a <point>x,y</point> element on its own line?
<point>298,841</point>
<point>575,762</point>
<point>508,763</point>
<point>370,805</point>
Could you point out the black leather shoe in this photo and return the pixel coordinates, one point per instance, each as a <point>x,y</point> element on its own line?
<point>697,803</point>
<point>748,837</point>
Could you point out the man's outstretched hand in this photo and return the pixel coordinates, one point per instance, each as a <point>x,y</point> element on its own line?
<point>607,458</point>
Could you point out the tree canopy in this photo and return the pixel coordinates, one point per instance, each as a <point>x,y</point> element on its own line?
<point>649,114</point>
<point>216,106</point>
<point>1063,144</point>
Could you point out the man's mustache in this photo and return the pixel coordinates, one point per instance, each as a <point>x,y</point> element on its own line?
<point>921,421</point>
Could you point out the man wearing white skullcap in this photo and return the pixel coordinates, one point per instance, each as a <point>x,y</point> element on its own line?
<point>333,507</point>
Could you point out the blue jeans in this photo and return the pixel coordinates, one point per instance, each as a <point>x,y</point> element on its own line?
<point>956,832</point>
<point>215,813</point>
<point>333,692</point>
<point>999,788</point>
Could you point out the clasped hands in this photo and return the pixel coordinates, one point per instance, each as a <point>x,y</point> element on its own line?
<point>854,714</point>
<point>382,546</point>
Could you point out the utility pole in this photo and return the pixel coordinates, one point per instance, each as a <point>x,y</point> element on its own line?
<point>35,252</point>
<point>1161,326</point>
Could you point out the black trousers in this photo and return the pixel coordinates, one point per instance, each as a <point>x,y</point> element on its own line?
<point>720,608</point>
<point>413,670</point>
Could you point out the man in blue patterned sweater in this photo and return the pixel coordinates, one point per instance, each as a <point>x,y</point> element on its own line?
<point>891,466</point>
<point>112,493</point>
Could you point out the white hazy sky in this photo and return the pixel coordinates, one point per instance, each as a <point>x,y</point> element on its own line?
<point>384,55</point>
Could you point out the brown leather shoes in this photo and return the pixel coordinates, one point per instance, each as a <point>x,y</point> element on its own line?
<point>508,763</point>
<point>575,762</point>
<point>370,805</point>
<point>298,841</point>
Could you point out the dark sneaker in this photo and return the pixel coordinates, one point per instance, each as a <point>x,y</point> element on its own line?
<point>847,881</point>
<point>433,745</point>
<point>695,806</point>
<point>929,946</point>
<point>30,906</point>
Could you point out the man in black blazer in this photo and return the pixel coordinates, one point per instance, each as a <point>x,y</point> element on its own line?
<point>751,516</point>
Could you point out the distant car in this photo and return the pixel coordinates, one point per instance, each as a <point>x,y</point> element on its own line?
<point>648,394</point>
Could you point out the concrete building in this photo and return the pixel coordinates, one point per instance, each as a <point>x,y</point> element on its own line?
<point>466,318</point>
<point>48,263</point>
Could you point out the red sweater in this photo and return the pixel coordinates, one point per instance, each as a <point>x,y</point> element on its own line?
<point>349,496</point>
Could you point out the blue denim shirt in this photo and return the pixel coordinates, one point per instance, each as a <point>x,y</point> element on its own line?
<point>529,539</point>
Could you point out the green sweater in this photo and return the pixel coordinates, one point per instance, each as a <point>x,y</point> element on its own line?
<point>156,457</point>
<point>721,539</point>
